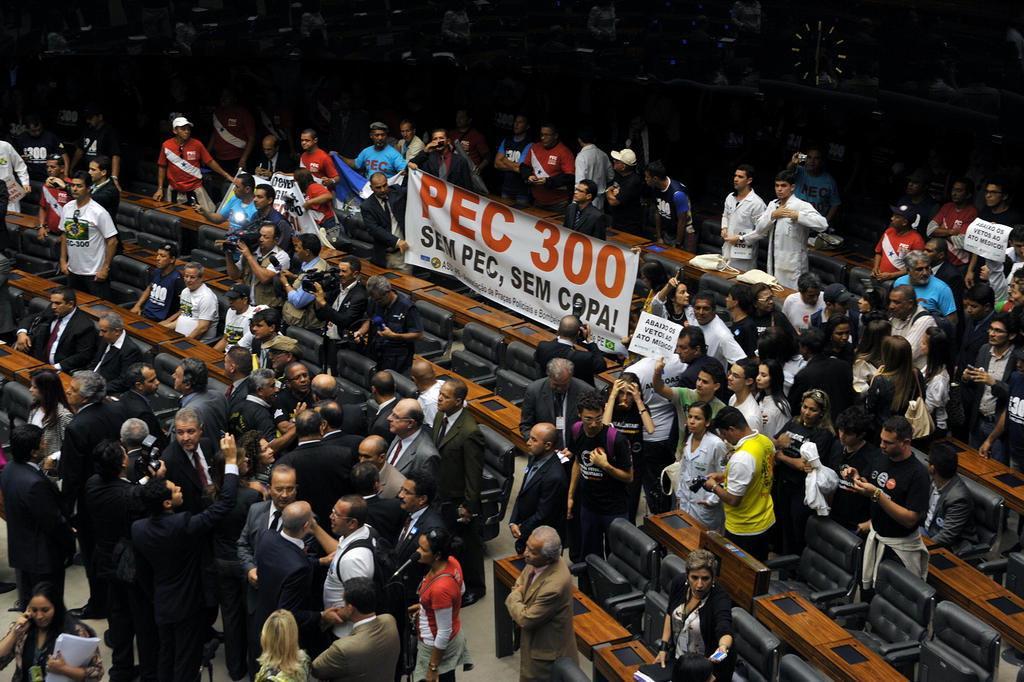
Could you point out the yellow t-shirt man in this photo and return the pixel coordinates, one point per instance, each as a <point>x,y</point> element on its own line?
<point>748,474</point>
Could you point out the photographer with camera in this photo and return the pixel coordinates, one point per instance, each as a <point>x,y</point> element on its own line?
<point>571,331</point>
<point>299,289</point>
<point>141,449</point>
<point>260,269</point>
<point>343,307</point>
<point>392,326</point>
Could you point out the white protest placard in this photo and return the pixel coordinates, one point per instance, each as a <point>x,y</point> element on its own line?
<point>655,337</point>
<point>986,239</point>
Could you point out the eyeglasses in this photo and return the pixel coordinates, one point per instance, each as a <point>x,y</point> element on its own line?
<point>591,420</point>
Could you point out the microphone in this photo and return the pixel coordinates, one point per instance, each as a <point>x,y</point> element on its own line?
<point>408,562</point>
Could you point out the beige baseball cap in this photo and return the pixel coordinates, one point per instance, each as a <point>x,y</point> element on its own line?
<point>626,156</point>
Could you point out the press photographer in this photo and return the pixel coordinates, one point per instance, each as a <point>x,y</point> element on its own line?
<point>343,307</point>
<point>299,291</point>
<point>258,268</point>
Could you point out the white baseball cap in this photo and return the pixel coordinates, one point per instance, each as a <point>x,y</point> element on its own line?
<point>626,156</point>
<point>180,121</point>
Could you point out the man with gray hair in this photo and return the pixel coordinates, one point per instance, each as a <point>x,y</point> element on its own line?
<point>932,293</point>
<point>909,320</point>
<point>191,380</point>
<point>115,354</point>
<point>552,399</point>
<point>259,412</point>
<point>133,432</point>
<point>413,446</point>
<point>396,326</point>
<point>541,604</point>
<point>95,421</point>
<point>190,459</point>
<point>198,309</point>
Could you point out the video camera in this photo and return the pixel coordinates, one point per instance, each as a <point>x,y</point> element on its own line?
<point>149,458</point>
<point>329,280</point>
<point>249,235</point>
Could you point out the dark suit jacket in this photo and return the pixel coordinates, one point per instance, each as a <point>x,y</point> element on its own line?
<point>168,551</point>
<point>6,301</point>
<point>539,406</point>
<point>323,473</point>
<point>541,502</point>
<point>949,274</point>
<point>831,375</point>
<point>973,391</point>
<point>377,422</point>
<point>212,407</point>
<point>952,525</point>
<point>459,172</point>
<point>404,550</point>
<point>386,516</point>
<point>93,423</point>
<point>974,337</point>
<point>135,405</point>
<point>77,345</point>
<point>182,471</point>
<point>113,506</point>
<point>116,363</point>
<point>351,310</point>
<point>585,364</point>
<point>593,221</point>
<point>688,379</point>
<point>39,537</point>
<point>285,581</point>
<point>284,164</point>
<point>376,222</point>
<point>462,461</point>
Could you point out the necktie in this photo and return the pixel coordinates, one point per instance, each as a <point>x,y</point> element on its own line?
<point>389,218</point>
<point>444,429</point>
<point>53,339</point>
<point>396,454</point>
<point>559,399</point>
<point>529,474</point>
<point>102,357</point>
<point>405,530</point>
<point>229,391</point>
<point>203,481</point>
<point>529,581</point>
<point>275,519</point>
<point>578,220</point>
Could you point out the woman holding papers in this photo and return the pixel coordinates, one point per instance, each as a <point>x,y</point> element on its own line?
<point>31,642</point>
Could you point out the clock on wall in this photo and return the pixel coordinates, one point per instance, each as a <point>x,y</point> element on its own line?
<point>820,53</point>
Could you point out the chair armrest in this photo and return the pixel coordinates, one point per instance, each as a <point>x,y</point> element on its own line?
<point>826,596</point>
<point>973,552</point>
<point>894,647</point>
<point>786,561</point>
<point>902,657</point>
<point>578,569</point>
<point>857,613</point>
<point>622,601</point>
<point>995,569</point>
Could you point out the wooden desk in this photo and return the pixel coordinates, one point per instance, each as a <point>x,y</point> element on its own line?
<point>820,640</point>
<point>24,376</point>
<point>191,219</point>
<point>618,662</point>
<point>529,333</point>
<point>475,389</point>
<point>467,309</point>
<point>138,327</point>
<point>683,258</point>
<point>676,531</point>
<point>743,576</point>
<point>222,284</point>
<point>147,256</point>
<point>500,415</point>
<point>592,625</point>
<point>22,220</point>
<point>974,466</point>
<point>13,361</point>
<point>993,475</point>
<point>399,280</point>
<point>626,239</point>
<point>42,287</point>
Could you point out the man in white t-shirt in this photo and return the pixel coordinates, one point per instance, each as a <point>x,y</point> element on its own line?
<point>429,387</point>
<point>809,299</point>
<point>237,320</point>
<point>198,313</point>
<point>722,345</point>
<point>88,240</point>
<point>353,556</point>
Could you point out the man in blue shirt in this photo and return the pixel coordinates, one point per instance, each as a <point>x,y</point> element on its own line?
<point>814,184</point>
<point>160,299</point>
<point>297,311</point>
<point>239,210</point>
<point>379,157</point>
<point>933,294</point>
<point>671,203</point>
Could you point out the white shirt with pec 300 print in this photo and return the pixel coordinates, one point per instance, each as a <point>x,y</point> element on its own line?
<point>87,229</point>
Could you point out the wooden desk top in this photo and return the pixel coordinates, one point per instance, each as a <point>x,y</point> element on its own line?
<point>676,531</point>
<point>1009,484</point>
<point>191,219</point>
<point>42,287</point>
<point>817,637</point>
<point>1003,611</point>
<point>475,389</point>
<point>626,239</point>
<point>500,415</point>
<point>950,575</point>
<point>147,256</point>
<point>975,467</point>
<point>618,662</point>
<point>529,333</point>
<point>399,280</point>
<point>467,309</point>
<point>743,576</point>
<point>22,220</point>
<point>13,361</point>
<point>221,284</point>
<point>24,376</point>
<point>137,326</point>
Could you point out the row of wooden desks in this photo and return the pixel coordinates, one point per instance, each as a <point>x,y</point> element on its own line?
<point>41,287</point>
<point>992,474</point>
<point>191,219</point>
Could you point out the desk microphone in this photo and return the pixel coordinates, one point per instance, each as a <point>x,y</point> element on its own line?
<point>408,562</point>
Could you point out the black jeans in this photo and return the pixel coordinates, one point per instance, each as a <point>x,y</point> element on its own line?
<point>471,554</point>
<point>89,285</point>
<point>657,456</point>
<point>181,649</point>
<point>756,546</point>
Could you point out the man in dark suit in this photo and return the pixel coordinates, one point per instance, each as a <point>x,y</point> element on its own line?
<point>993,365</point>
<point>979,306</point>
<point>378,409</point>
<point>831,375</point>
<point>63,336</point>
<point>374,449</point>
<point>552,399</point>
<point>349,303</point>
<point>95,420</point>
<point>285,580</point>
<point>115,354</point>
<point>344,424</point>
<point>417,495</point>
<point>324,472</point>
<point>937,249</point>
<point>582,216</point>
<point>384,218</point>
<point>191,379</point>
<point>950,523</point>
<point>114,504</point>
<point>413,446</point>
<point>384,515</point>
<point>169,547</point>
<point>142,383</point>
<point>39,537</point>
<point>7,324</point>
<point>238,367</point>
<point>585,364</point>
<point>270,159</point>
<point>542,496</point>
<point>189,460</point>
<point>440,159</point>
<point>461,446</point>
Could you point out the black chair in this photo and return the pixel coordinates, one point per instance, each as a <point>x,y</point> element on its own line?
<point>898,616</point>
<point>620,581</point>
<point>989,514</point>
<point>757,649</point>
<point>404,386</point>
<point>38,257</point>
<point>129,216</point>
<point>567,670</point>
<point>438,330</point>
<point>128,278</point>
<point>483,350</point>
<point>358,242</point>
<point>354,373</point>
<point>829,270</point>
<point>158,228</point>
<point>717,285</point>
<point>165,401</point>
<point>16,402</point>
<point>499,474</point>
<point>710,238</point>
<point>828,568</point>
<point>656,599</point>
<point>859,279</point>
<point>792,668</point>
<point>207,251</point>
<point>961,648</point>
<point>310,346</point>
<point>518,371</point>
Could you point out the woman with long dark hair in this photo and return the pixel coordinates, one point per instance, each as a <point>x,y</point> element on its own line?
<point>703,453</point>
<point>50,410</point>
<point>938,351</point>
<point>771,397</point>
<point>838,331</point>
<point>673,302</point>
<point>625,410</point>
<point>778,345</point>
<point>869,352</point>
<point>442,643</point>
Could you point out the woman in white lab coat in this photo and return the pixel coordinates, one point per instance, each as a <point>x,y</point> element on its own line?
<point>787,223</point>
<point>703,454</point>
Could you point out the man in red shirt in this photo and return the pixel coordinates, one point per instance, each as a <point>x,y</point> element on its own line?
<point>549,169</point>
<point>234,132</point>
<point>53,197</point>
<point>952,220</point>
<point>471,139</point>
<point>899,239</point>
<point>179,164</point>
<point>318,199</point>
<point>316,159</point>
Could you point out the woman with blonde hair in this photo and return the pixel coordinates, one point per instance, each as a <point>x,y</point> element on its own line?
<point>282,660</point>
<point>897,382</point>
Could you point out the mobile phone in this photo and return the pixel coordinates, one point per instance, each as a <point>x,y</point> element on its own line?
<point>718,657</point>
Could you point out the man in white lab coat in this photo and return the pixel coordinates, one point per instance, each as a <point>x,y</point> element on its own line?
<point>787,223</point>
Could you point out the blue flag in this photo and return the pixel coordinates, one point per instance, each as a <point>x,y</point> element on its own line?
<point>351,185</point>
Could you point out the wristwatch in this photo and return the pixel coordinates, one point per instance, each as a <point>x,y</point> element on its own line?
<point>875,495</point>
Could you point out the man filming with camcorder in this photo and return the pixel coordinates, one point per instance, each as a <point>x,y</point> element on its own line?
<point>299,291</point>
<point>252,255</point>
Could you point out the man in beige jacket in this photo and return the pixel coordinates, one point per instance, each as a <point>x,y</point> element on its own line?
<point>370,652</point>
<point>541,604</point>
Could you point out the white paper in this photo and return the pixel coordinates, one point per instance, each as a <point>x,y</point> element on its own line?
<point>76,652</point>
<point>14,190</point>
<point>986,239</point>
<point>655,337</point>
<point>185,325</point>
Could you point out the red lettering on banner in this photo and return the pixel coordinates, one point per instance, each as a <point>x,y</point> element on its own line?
<point>496,244</point>
<point>459,210</point>
<point>577,278</point>
<point>433,193</point>
<point>609,252</point>
<point>549,244</point>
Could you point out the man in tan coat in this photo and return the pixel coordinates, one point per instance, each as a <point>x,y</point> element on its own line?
<point>370,652</point>
<point>541,605</point>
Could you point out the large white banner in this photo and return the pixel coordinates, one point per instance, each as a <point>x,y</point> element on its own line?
<point>288,201</point>
<point>534,267</point>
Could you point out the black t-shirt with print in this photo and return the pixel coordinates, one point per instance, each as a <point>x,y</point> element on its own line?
<point>849,508</point>
<point>597,490</point>
<point>907,483</point>
<point>786,475</point>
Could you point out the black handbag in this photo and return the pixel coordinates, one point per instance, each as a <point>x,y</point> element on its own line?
<point>955,415</point>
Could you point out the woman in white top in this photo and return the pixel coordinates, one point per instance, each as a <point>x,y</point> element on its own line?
<point>50,410</point>
<point>937,348</point>
<point>771,398</point>
<point>740,381</point>
<point>703,454</point>
<point>673,303</point>
<point>869,353</point>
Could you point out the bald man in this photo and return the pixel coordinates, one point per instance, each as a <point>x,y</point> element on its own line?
<point>429,387</point>
<point>286,578</point>
<point>271,159</point>
<point>374,450</point>
<point>413,446</point>
<point>541,500</point>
